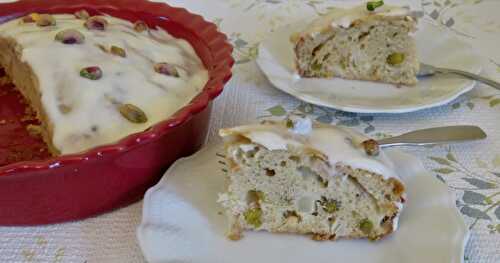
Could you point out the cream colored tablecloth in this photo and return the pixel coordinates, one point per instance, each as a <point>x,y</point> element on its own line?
<point>471,170</point>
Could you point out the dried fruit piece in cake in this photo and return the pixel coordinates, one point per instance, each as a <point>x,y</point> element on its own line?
<point>323,182</point>
<point>368,42</point>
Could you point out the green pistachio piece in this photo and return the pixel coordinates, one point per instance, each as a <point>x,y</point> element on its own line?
<point>140,26</point>
<point>133,113</point>
<point>166,69</point>
<point>253,217</point>
<point>395,58</point>
<point>82,14</point>
<point>372,5</point>
<point>64,109</point>
<point>316,66</point>
<point>118,51</point>
<point>70,37</point>
<point>96,23</point>
<point>329,205</point>
<point>45,20</point>
<point>92,73</point>
<point>366,226</point>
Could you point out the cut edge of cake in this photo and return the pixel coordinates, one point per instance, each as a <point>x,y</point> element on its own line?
<point>26,82</point>
<point>297,190</point>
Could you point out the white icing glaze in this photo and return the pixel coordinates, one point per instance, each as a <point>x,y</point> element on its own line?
<point>247,147</point>
<point>337,143</point>
<point>125,80</point>
<point>343,18</point>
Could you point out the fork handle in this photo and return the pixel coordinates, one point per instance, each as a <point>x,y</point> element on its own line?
<point>469,75</point>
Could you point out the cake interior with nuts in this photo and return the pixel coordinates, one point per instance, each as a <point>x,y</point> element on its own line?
<point>93,80</point>
<point>368,42</point>
<point>312,179</point>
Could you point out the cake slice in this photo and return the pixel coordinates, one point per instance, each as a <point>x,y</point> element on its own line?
<point>325,181</point>
<point>360,44</point>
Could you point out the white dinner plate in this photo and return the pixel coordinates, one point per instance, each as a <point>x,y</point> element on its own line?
<point>435,45</point>
<point>183,223</point>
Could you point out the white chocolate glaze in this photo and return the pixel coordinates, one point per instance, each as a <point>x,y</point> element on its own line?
<point>339,145</point>
<point>343,18</point>
<point>94,119</point>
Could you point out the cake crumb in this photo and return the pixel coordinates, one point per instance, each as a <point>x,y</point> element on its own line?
<point>2,122</point>
<point>27,118</point>
<point>34,130</point>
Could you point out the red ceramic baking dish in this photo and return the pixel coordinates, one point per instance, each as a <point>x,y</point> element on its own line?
<point>78,186</point>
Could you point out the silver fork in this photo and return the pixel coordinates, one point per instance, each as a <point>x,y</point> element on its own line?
<point>428,70</point>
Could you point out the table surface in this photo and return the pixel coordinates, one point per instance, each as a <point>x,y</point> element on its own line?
<point>471,170</point>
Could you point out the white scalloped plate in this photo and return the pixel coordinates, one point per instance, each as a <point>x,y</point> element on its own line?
<point>435,45</point>
<point>182,223</point>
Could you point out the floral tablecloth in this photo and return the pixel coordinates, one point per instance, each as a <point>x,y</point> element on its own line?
<point>471,170</point>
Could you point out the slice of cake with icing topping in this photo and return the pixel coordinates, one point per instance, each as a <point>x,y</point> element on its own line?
<point>96,79</point>
<point>323,180</point>
<point>368,42</point>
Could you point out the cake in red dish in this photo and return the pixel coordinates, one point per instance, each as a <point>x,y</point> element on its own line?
<point>111,165</point>
<point>95,79</point>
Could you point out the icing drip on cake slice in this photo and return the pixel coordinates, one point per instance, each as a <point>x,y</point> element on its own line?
<point>95,80</point>
<point>299,177</point>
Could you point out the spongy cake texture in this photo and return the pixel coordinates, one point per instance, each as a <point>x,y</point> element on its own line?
<point>359,44</point>
<point>297,189</point>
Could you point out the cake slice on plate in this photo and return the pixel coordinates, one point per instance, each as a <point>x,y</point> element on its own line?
<point>299,177</point>
<point>367,42</point>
